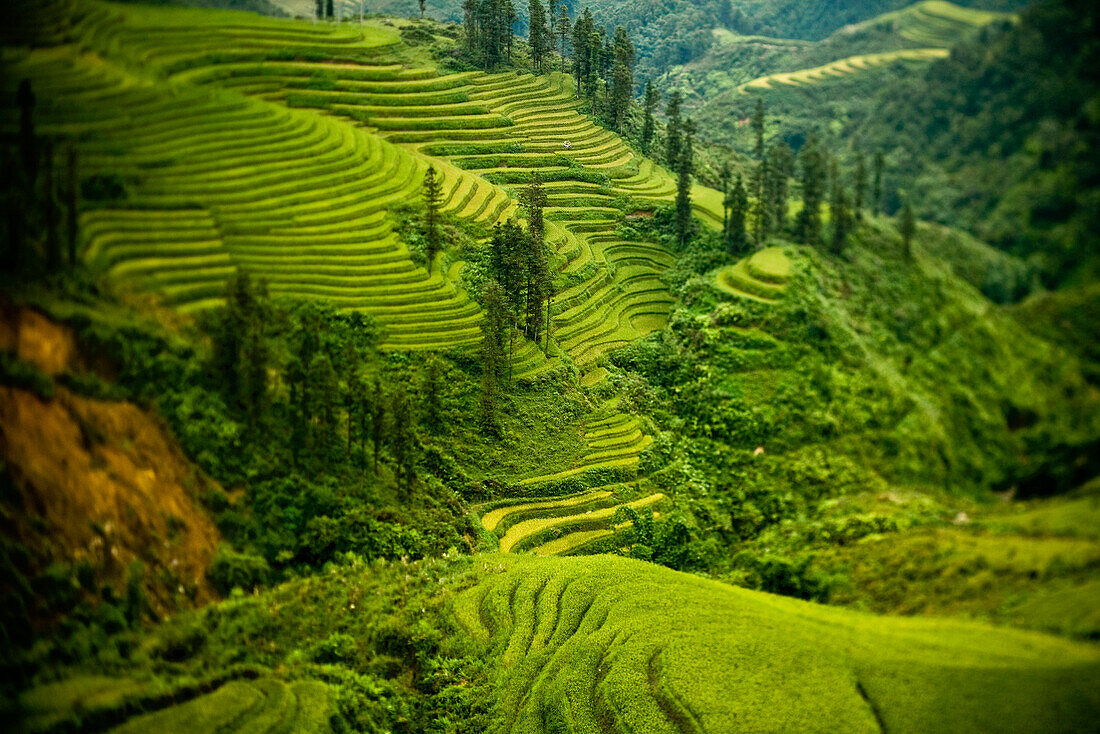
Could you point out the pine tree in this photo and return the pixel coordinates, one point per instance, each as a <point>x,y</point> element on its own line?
<point>684,171</point>
<point>907,226</point>
<point>781,164</point>
<point>377,420</point>
<point>595,54</point>
<point>330,9</point>
<point>71,207</point>
<point>355,406</point>
<point>622,76</point>
<point>537,35</point>
<point>53,242</point>
<point>28,142</point>
<point>404,439</point>
<point>534,199</point>
<point>564,31</point>
<point>649,107</point>
<point>738,203</point>
<point>228,331</point>
<point>323,400</point>
<point>508,21</point>
<point>431,407</point>
<point>860,187</point>
<point>493,326</point>
<point>470,16</point>
<point>758,129</point>
<point>876,186</point>
<point>672,131</point>
<point>764,206</point>
<point>432,194</point>
<point>582,31</point>
<point>255,360</point>
<point>808,226</point>
<point>364,412</point>
<point>841,218</point>
<point>724,176</point>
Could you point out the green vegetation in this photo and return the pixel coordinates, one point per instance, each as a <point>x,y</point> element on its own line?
<point>415,314</point>
<point>598,644</point>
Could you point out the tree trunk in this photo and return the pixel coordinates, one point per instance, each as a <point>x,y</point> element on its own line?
<point>70,208</point>
<point>53,245</point>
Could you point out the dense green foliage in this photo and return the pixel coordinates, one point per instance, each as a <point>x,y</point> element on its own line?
<point>486,324</point>
<point>1001,137</point>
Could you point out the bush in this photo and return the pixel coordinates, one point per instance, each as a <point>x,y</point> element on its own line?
<point>231,569</point>
<point>789,576</point>
<point>17,373</point>
<point>337,648</point>
<point>107,187</point>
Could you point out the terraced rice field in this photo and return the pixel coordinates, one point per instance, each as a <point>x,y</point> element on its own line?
<point>220,182</point>
<point>494,131</point>
<point>562,526</point>
<point>263,705</point>
<point>606,644</point>
<point>760,277</point>
<point>614,443</point>
<point>937,22</point>
<point>937,25</point>
<point>279,147</point>
<point>567,524</point>
<point>841,68</point>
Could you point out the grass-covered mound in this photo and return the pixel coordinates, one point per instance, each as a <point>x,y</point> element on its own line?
<point>761,276</point>
<point>597,644</point>
<point>603,644</point>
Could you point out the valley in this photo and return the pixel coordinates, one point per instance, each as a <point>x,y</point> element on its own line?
<point>386,374</point>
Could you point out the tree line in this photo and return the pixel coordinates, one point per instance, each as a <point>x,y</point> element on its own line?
<point>602,65</point>
<point>41,194</point>
<point>758,207</point>
<point>315,373</point>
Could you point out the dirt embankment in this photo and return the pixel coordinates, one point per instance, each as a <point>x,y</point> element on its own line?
<point>96,482</point>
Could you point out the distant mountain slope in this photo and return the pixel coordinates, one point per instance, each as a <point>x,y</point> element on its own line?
<point>1002,137</point>
<point>817,20</point>
<point>855,63</point>
<point>671,32</point>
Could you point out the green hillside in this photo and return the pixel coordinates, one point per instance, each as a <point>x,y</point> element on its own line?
<point>818,85</point>
<point>286,444</point>
<point>586,645</point>
<point>330,178</point>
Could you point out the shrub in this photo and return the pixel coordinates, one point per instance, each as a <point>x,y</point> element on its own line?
<point>104,187</point>
<point>789,576</point>
<point>337,648</point>
<point>17,373</point>
<point>231,569</point>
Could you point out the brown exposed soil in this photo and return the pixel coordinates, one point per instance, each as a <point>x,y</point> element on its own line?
<point>34,338</point>
<point>99,482</point>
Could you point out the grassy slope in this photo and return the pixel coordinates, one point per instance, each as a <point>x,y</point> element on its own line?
<point>830,75</point>
<point>603,645</point>
<point>1028,564</point>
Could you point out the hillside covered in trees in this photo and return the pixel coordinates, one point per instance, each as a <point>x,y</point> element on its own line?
<point>665,367</point>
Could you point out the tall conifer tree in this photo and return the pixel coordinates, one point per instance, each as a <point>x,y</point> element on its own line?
<point>673,132</point>
<point>812,164</point>
<point>433,185</point>
<point>648,108</point>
